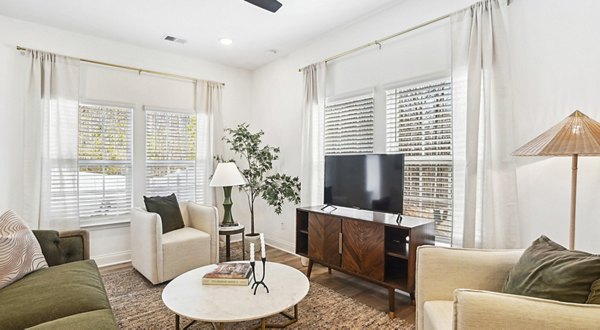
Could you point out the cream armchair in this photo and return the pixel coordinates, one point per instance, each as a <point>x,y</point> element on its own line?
<point>459,289</point>
<point>161,257</point>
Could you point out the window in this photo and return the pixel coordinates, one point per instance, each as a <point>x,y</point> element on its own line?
<point>349,125</point>
<point>419,124</point>
<point>171,154</point>
<point>104,162</point>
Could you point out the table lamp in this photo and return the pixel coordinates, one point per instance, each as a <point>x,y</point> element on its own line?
<point>227,175</point>
<point>577,135</point>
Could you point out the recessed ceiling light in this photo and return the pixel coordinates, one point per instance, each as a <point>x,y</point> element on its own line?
<point>225,41</point>
<point>271,52</point>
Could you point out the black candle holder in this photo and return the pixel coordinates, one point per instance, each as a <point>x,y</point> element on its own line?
<point>262,280</point>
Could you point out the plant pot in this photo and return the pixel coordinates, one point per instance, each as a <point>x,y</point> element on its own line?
<point>250,238</point>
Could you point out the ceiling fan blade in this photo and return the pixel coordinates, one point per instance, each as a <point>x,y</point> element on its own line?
<point>270,5</point>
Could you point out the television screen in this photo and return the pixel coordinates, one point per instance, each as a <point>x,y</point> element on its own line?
<point>372,182</point>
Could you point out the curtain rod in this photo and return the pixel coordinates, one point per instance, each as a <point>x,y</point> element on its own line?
<point>379,41</point>
<point>139,70</point>
<point>392,36</point>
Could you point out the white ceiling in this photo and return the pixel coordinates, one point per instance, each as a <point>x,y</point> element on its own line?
<point>201,22</point>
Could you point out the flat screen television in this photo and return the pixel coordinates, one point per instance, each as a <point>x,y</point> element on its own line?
<point>372,182</point>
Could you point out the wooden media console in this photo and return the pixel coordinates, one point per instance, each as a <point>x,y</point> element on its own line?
<point>366,244</point>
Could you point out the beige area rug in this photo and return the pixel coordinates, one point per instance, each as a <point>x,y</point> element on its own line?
<point>137,304</point>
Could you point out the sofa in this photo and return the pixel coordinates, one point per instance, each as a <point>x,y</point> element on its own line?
<point>460,289</point>
<point>69,294</point>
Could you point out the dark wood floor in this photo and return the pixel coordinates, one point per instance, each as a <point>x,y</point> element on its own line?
<point>363,291</point>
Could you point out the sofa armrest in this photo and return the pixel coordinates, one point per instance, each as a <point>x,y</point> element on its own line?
<point>206,219</point>
<point>474,309</point>
<point>441,270</point>
<point>63,247</point>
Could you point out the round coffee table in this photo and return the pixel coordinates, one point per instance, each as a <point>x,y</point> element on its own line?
<point>187,296</point>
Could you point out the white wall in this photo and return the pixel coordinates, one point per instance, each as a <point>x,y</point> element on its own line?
<point>10,101</point>
<point>111,243</point>
<point>554,54</point>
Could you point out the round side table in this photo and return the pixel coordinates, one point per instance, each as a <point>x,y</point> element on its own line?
<point>233,230</point>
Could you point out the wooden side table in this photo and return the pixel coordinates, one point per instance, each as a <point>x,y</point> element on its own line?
<point>233,230</point>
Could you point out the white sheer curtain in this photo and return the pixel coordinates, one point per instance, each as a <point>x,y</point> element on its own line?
<point>50,141</point>
<point>312,156</point>
<point>483,130</point>
<point>209,96</point>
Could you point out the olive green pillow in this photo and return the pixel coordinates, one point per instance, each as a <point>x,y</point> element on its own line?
<point>548,270</point>
<point>594,297</point>
<point>168,209</point>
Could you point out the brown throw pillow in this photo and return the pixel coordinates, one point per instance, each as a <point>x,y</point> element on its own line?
<point>20,252</point>
<point>594,297</point>
<point>168,209</point>
<point>548,270</point>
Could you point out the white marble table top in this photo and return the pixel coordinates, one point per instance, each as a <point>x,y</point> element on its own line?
<point>187,296</point>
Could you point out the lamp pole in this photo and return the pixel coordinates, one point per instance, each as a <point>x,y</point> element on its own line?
<point>573,201</point>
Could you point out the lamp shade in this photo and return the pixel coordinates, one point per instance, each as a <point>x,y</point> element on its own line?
<point>577,134</point>
<point>227,175</point>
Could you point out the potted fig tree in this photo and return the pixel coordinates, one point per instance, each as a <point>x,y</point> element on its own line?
<point>256,164</point>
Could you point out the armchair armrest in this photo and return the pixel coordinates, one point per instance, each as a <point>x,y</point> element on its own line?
<point>206,218</point>
<point>146,243</point>
<point>476,309</point>
<point>63,247</point>
<point>440,271</point>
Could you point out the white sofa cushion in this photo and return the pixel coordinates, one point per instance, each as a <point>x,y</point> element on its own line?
<point>478,309</point>
<point>437,314</point>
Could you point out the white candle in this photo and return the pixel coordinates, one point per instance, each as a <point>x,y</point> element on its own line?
<point>251,252</point>
<point>263,250</point>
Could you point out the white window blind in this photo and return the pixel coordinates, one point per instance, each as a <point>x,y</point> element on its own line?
<point>104,162</point>
<point>171,154</point>
<point>349,125</point>
<point>419,124</point>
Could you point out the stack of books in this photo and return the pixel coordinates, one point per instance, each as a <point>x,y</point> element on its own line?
<point>231,273</point>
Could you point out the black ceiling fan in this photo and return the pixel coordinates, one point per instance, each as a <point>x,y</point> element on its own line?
<point>270,5</point>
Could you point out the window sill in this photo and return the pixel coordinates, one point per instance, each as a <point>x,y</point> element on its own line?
<point>106,224</point>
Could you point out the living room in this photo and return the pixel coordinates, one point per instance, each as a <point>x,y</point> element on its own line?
<point>553,71</point>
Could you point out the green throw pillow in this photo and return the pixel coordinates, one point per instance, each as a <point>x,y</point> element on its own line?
<point>168,209</point>
<point>548,270</point>
<point>594,297</point>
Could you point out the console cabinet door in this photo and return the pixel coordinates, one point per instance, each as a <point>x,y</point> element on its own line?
<point>323,238</point>
<point>363,248</point>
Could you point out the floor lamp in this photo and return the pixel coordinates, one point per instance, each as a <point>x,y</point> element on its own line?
<point>577,135</point>
<point>227,175</point>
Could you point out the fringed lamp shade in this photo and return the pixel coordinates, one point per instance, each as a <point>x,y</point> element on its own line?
<point>576,135</point>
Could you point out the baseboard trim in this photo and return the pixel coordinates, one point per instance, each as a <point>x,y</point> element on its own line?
<point>282,245</point>
<point>111,259</point>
